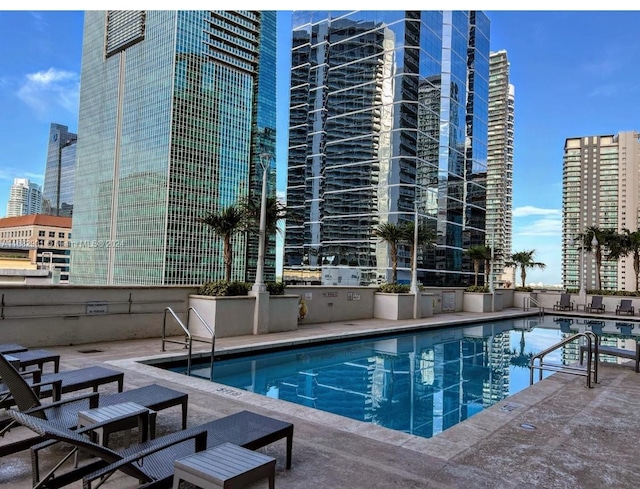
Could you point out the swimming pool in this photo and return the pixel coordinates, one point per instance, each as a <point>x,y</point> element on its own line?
<point>420,383</point>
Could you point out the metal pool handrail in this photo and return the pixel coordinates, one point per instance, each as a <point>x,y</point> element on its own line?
<point>592,349</point>
<point>211,332</point>
<point>188,337</point>
<point>526,305</point>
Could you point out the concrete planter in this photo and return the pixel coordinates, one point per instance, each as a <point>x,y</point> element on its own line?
<point>481,302</point>
<point>519,298</point>
<point>392,306</point>
<point>283,313</point>
<point>227,316</point>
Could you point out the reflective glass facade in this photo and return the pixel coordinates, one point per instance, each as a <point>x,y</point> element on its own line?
<point>170,127</point>
<point>388,110</point>
<point>60,172</point>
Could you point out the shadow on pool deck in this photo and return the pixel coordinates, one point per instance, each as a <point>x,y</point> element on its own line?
<point>555,434</point>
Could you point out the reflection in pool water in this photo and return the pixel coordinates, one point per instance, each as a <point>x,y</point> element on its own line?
<point>420,383</point>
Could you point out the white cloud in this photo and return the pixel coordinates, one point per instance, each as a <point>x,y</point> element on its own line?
<point>44,91</point>
<point>541,227</point>
<point>529,210</point>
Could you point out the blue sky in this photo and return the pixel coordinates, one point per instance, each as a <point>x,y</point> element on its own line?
<point>576,73</point>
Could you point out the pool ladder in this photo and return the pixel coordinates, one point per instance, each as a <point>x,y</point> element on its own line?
<point>526,305</point>
<point>591,370</point>
<point>188,337</point>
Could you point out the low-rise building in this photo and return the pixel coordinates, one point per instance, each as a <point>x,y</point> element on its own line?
<point>37,242</point>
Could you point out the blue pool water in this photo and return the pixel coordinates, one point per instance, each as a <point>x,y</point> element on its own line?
<point>420,383</point>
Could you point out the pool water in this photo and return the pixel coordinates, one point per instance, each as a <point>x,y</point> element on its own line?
<point>420,383</point>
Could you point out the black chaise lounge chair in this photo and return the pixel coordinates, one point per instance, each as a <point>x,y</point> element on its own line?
<point>564,304</point>
<point>11,348</point>
<point>596,304</point>
<point>56,384</point>
<point>625,307</point>
<point>37,357</point>
<point>151,462</point>
<point>65,413</point>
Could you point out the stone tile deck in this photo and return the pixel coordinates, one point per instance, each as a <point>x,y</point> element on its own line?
<point>583,438</point>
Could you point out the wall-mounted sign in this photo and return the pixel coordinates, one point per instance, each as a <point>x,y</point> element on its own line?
<point>94,308</point>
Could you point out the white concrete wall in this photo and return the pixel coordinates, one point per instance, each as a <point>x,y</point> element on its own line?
<point>45,315</point>
<point>334,303</point>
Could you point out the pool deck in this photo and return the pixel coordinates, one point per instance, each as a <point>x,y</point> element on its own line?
<point>581,438</point>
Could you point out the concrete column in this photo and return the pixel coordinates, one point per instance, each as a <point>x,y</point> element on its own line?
<point>261,312</point>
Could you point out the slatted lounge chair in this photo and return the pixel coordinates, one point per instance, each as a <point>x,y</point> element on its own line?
<point>151,462</point>
<point>11,348</point>
<point>70,381</point>
<point>564,304</point>
<point>38,357</point>
<point>65,413</point>
<point>625,307</point>
<point>596,304</point>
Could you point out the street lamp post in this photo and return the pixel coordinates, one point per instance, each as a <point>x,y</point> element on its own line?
<point>259,285</point>
<point>492,288</point>
<point>582,295</point>
<point>594,245</point>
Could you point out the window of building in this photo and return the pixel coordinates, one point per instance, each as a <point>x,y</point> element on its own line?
<point>52,234</point>
<point>41,233</point>
<point>60,235</point>
<point>41,242</point>
<point>51,242</point>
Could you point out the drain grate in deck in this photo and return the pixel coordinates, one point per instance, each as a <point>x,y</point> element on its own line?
<point>90,351</point>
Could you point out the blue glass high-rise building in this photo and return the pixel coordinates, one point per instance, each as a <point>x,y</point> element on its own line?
<point>176,109</point>
<point>388,119</point>
<point>60,172</point>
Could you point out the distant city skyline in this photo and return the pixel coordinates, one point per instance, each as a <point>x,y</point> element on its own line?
<point>571,75</point>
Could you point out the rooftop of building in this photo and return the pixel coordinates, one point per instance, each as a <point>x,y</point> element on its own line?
<point>36,220</point>
<point>555,434</point>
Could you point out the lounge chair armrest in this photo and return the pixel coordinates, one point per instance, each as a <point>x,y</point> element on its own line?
<point>93,398</point>
<point>150,447</point>
<point>36,373</point>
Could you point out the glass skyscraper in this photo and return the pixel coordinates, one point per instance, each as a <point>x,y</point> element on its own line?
<point>388,120</point>
<point>60,172</point>
<point>177,109</point>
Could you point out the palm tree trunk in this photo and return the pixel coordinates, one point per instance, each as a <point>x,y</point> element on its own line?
<point>227,258</point>
<point>476,269</point>
<point>394,264</point>
<point>523,275</point>
<point>636,266</point>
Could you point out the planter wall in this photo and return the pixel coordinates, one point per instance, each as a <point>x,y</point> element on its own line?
<point>283,313</point>
<point>326,304</point>
<point>481,302</point>
<point>393,306</point>
<point>228,316</point>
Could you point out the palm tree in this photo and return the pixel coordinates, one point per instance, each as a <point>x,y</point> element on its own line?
<point>477,254</point>
<point>392,234</point>
<point>604,238</point>
<point>276,212</point>
<point>524,260</point>
<point>627,243</point>
<point>225,224</point>
<point>425,238</point>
